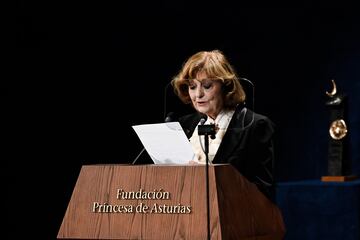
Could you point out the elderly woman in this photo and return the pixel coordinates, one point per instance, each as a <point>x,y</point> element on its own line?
<point>243,138</point>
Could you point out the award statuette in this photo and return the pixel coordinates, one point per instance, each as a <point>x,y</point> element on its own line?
<point>339,164</point>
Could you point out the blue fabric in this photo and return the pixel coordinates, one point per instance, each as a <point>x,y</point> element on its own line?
<point>320,210</point>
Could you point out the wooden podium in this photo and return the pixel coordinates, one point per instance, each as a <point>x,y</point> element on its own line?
<point>167,202</point>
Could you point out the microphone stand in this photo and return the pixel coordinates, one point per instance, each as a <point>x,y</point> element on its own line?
<point>138,156</point>
<point>207,130</point>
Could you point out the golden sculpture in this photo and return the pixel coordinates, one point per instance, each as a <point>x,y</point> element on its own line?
<point>338,129</point>
<point>333,91</point>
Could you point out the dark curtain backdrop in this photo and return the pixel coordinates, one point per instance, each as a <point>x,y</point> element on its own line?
<point>86,72</point>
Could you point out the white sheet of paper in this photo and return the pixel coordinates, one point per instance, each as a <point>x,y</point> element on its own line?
<point>166,143</point>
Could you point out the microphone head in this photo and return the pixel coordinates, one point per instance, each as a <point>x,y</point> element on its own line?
<point>203,119</point>
<point>170,117</point>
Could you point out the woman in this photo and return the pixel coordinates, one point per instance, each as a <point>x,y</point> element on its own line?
<point>243,138</point>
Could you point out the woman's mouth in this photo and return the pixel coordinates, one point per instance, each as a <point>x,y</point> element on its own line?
<point>201,103</point>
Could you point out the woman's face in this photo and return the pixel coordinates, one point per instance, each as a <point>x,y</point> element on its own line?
<point>206,95</point>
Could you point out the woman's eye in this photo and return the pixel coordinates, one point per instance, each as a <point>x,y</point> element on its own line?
<point>207,85</point>
<point>192,87</point>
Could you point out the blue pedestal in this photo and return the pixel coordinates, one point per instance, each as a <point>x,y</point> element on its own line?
<point>320,210</point>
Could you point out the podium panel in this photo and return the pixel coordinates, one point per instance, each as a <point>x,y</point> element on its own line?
<point>116,201</point>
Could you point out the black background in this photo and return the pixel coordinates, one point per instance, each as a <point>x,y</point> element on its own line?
<point>86,72</point>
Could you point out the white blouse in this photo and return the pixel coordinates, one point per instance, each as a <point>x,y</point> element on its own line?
<point>198,144</point>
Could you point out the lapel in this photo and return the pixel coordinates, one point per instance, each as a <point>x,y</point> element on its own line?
<point>233,135</point>
<point>189,123</point>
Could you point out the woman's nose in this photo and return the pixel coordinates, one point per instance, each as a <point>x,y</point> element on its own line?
<point>199,92</point>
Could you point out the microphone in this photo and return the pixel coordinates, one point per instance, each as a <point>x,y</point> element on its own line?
<point>249,84</point>
<point>137,157</point>
<point>252,91</point>
<point>170,117</point>
<point>203,118</point>
<point>207,130</point>
<point>247,80</point>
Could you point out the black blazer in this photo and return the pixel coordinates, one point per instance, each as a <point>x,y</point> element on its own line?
<point>247,145</point>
